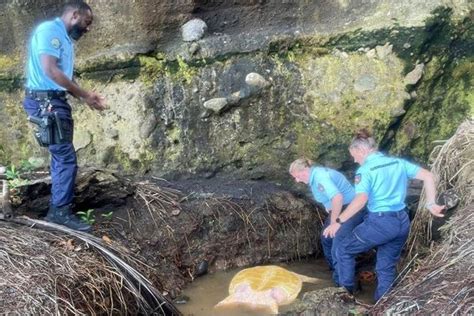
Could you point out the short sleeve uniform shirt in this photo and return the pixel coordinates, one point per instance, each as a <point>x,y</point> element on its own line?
<point>49,38</point>
<point>326,183</point>
<point>385,180</point>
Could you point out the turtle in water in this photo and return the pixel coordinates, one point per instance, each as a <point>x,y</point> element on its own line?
<point>264,288</point>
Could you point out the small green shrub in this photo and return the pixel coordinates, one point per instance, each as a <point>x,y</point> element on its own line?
<point>12,173</point>
<point>88,217</point>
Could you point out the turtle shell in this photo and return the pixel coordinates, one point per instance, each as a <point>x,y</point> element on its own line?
<point>265,278</point>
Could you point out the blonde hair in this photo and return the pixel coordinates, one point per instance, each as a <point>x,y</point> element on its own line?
<point>363,139</point>
<point>300,164</point>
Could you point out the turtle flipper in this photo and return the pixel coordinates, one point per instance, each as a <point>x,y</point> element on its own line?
<point>308,279</point>
<point>228,301</point>
<point>255,301</point>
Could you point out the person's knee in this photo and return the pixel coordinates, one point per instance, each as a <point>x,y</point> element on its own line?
<point>385,266</point>
<point>64,153</point>
<point>348,248</point>
<point>341,252</point>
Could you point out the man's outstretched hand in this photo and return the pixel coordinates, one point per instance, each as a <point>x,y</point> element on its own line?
<point>95,101</point>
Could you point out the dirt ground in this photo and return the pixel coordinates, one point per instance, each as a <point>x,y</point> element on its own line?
<point>179,230</point>
<point>182,229</point>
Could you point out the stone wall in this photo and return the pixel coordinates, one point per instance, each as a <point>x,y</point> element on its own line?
<point>317,70</point>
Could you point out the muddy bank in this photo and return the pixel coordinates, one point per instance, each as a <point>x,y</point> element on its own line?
<point>231,225</point>
<point>183,229</point>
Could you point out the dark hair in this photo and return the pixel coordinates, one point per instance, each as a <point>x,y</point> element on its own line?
<point>363,138</point>
<point>79,5</point>
<point>362,134</point>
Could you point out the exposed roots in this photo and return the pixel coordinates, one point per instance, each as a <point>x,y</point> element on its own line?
<point>160,202</point>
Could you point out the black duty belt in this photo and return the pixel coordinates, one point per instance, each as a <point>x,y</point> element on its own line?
<point>45,94</point>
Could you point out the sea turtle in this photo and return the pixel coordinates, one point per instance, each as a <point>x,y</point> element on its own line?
<point>264,288</point>
<point>449,198</point>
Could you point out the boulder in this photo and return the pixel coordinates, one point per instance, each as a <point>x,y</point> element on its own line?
<point>216,104</point>
<point>415,75</point>
<point>193,30</point>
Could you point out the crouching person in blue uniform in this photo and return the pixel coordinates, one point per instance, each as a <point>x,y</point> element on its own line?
<point>330,188</point>
<point>381,182</point>
<point>49,77</point>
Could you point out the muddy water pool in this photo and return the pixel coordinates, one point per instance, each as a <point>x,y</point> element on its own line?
<point>208,290</point>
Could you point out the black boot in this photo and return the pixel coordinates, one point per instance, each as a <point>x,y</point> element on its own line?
<point>63,216</point>
<point>356,289</point>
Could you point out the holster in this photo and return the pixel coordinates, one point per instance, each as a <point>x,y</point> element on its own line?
<point>51,129</point>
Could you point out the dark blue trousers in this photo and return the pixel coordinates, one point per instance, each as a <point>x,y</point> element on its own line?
<point>63,156</point>
<point>386,231</point>
<point>331,244</point>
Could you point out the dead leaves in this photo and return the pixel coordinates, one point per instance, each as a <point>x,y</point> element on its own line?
<point>69,245</point>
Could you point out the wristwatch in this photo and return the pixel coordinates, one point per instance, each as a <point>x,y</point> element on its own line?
<point>338,220</point>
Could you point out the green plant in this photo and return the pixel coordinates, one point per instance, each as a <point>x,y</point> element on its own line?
<point>88,217</point>
<point>108,216</point>
<point>26,166</point>
<point>14,177</point>
<point>12,173</point>
<point>17,182</point>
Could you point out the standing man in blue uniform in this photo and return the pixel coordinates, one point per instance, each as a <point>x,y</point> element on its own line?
<point>330,188</point>
<point>381,182</point>
<point>49,72</point>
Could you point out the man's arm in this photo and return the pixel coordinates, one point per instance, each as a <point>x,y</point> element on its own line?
<point>355,206</point>
<point>336,207</point>
<point>51,69</point>
<point>430,189</point>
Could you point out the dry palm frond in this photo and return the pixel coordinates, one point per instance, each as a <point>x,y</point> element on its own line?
<point>43,273</point>
<point>452,159</point>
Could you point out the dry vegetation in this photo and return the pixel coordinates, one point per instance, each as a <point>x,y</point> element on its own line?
<point>442,281</point>
<point>47,273</point>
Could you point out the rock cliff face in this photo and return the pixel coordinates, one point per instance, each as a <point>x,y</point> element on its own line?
<point>269,81</point>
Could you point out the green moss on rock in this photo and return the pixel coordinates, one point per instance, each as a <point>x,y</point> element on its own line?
<point>10,73</point>
<point>443,102</point>
<point>153,67</point>
<point>445,96</point>
<point>342,95</point>
<point>8,63</point>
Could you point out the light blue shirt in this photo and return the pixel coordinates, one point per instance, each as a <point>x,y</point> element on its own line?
<point>326,183</point>
<point>385,180</point>
<point>49,38</point>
